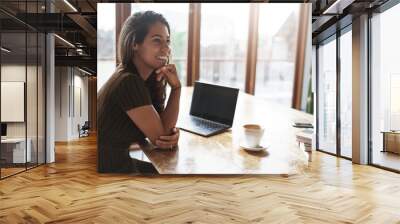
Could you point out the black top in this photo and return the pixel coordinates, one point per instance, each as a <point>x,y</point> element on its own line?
<point>116,131</point>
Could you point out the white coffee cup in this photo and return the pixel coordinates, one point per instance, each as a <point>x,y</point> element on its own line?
<point>253,134</point>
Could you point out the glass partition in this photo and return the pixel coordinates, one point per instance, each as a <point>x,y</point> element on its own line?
<point>41,91</point>
<point>346,94</point>
<point>22,91</point>
<point>327,96</point>
<point>31,99</point>
<point>13,94</point>
<point>385,89</point>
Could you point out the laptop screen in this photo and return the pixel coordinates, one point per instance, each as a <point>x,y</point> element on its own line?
<point>213,102</point>
<point>3,129</point>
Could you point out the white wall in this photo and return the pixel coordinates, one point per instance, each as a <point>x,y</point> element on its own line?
<point>12,73</point>
<point>82,83</point>
<point>70,94</point>
<point>61,103</point>
<point>33,126</point>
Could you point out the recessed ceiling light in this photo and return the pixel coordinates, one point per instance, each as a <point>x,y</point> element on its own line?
<point>338,6</point>
<point>64,40</point>
<point>70,5</point>
<point>5,50</point>
<point>84,71</point>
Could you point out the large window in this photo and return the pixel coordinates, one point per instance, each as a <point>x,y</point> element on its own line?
<point>385,84</point>
<point>223,43</point>
<point>327,96</point>
<point>335,60</point>
<point>106,54</point>
<point>346,93</point>
<point>277,45</point>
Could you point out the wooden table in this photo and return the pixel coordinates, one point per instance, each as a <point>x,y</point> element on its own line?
<point>391,141</point>
<point>14,152</point>
<point>221,154</point>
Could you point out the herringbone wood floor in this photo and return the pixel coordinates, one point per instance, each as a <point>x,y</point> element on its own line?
<point>70,191</point>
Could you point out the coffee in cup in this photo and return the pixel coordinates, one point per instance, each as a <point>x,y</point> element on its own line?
<point>253,134</point>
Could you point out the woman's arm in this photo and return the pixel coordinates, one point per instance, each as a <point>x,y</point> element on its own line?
<point>169,116</point>
<point>150,122</point>
<point>154,125</point>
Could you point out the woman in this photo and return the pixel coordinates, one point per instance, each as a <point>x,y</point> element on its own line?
<point>131,102</point>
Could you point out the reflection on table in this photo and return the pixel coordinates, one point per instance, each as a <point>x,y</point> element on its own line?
<point>221,154</point>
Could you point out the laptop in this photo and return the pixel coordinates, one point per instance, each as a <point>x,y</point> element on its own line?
<point>212,109</point>
<point>3,131</point>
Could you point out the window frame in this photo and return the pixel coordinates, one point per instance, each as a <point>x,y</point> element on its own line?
<point>333,37</point>
<point>123,11</point>
<point>381,9</point>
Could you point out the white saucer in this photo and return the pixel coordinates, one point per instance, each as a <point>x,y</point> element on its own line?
<point>255,149</point>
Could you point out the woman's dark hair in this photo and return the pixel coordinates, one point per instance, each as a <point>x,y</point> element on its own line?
<point>133,32</point>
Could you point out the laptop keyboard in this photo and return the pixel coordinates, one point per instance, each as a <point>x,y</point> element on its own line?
<point>206,124</point>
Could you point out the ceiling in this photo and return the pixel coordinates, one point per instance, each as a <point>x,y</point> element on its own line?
<point>76,20</point>
<point>328,16</point>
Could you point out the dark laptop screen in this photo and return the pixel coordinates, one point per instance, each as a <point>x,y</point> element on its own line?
<point>212,102</point>
<point>3,129</point>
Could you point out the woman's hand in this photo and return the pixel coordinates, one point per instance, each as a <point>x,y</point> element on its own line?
<point>170,74</point>
<point>168,141</point>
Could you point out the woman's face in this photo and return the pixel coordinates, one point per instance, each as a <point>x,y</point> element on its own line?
<point>155,49</point>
